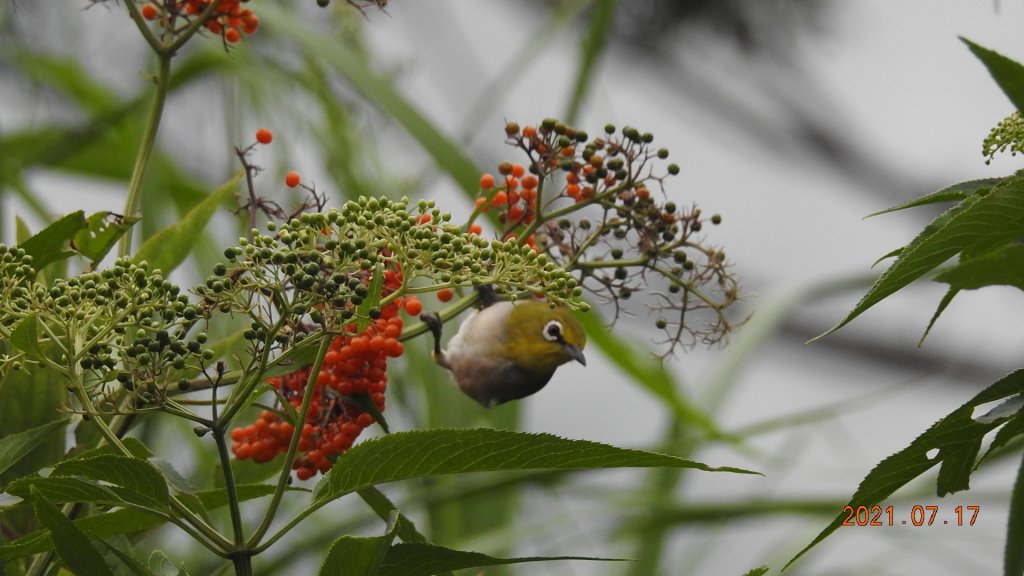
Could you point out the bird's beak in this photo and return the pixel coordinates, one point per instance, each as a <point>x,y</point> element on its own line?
<point>575,353</point>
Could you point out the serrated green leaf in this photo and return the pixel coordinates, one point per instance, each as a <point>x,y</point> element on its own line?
<point>979,223</point>
<point>943,304</point>
<point>955,193</point>
<point>123,552</point>
<point>759,571</point>
<point>14,447</point>
<point>25,337</point>
<point>62,490</point>
<point>1008,74</point>
<point>102,231</point>
<point>355,556</point>
<point>169,247</point>
<point>70,543</point>
<point>421,559</point>
<point>384,508</point>
<point>359,556</point>
<point>121,521</point>
<point>404,455</point>
<point>957,438</point>
<point>48,245</point>
<point>141,480</point>
<point>1002,266</point>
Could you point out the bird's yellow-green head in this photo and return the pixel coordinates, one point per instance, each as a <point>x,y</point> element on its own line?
<point>541,338</point>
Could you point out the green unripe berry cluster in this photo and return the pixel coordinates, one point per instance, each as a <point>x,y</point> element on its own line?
<point>125,326</point>
<point>327,267</point>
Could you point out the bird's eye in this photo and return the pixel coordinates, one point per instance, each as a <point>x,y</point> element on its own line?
<point>553,331</point>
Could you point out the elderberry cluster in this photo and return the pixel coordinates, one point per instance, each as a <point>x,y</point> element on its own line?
<point>122,329</point>
<point>587,203</point>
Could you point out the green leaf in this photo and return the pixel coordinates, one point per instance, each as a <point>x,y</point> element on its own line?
<point>121,521</point>
<point>1002,266</point>
<point>14,447</point>
<point>419,453</point>
<point>70,543</point>
<point>169,247</point>
<point>25,337</point>
<point>102,231</point>
<point>759,571</point>
<point>421,559</point>
<point>359,556</point>
<point>979,223</point>
<point>48,245</point>
<point>943,304</point>
<point>384,508</point>
<point>955,193</point>
<point>123,552</point>
<point>1008,74</point>
<point>143,483</point>
<point>957,440</point>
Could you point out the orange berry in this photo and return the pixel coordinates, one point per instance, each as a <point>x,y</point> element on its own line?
<point>500,198</point>
<point>475,229</point>
<point>263,135</point>
<point>424,219</point>
<point>305,473</point>
<point>511,183</point>
<point>444,294</point>
<point>529,131</point>
<point>413,306</point>
<point>232,35</point>
<point>486,182</point>
<point>518,170</point>
<point>149,12</point>
<point>643,193</point>
<point>214,26</point>
<point>292,179</point>
<point>480,203</point>
<point>529,182</point>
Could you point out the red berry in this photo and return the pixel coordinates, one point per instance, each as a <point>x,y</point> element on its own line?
<point>292,179</point>
<point>149,12</point>
<point>264,136</point>
<point>486,182</point>
<point>232,35</point>
<point>444,294</point>
<point>413,306</point>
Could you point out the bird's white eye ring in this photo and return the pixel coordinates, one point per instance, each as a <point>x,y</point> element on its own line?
<point>553,331</point>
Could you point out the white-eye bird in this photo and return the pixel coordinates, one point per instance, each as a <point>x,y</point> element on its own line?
<point>507,350</point>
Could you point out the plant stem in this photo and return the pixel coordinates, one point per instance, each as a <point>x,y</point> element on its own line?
<point>282,481</point>
<point>134,200</point>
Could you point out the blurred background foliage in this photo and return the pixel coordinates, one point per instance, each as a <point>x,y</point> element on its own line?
<point>73,82</point>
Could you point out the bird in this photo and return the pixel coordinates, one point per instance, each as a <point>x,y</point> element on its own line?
<point>508,350</point>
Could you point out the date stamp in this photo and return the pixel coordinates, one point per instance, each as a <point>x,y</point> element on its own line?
<point>919,516</point>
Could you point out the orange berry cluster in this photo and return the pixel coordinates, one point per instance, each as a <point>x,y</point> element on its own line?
<point>515,199</point>
<point>229,20</point>
<point>353,376</point>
